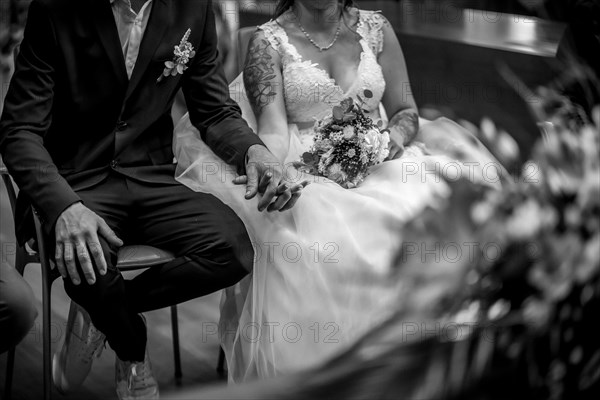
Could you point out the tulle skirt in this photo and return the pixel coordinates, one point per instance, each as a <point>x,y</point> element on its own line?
<point>323,271</point>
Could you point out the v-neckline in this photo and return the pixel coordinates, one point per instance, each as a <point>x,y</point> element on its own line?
<point>323,71</point>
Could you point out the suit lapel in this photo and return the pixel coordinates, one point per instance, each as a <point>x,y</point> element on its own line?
<point>155,30</point>
<point>104,21</point>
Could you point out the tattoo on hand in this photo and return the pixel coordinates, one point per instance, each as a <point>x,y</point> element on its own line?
<point>406,122</point>
<point>259,72</point>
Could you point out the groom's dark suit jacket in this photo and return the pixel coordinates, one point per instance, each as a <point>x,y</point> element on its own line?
<point>71,114</point>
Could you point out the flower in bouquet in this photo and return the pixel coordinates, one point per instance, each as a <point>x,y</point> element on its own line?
<point>346,144</point>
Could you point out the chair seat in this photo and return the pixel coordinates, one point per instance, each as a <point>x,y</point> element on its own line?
<point>140,256</point>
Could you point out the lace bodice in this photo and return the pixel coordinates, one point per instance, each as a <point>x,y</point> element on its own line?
<point>309,92</point>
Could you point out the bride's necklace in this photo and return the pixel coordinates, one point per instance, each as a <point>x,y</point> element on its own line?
<point>310,39</point>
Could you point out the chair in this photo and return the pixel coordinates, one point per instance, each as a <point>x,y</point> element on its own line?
<point>129,258</point>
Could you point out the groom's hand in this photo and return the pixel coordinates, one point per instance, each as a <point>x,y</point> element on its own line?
<point>264,175</point>
<point>76,232</point>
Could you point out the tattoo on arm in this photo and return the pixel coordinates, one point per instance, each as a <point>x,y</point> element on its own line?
<point>406,123</point>
<point>386,23</point>
<point>259,72</point>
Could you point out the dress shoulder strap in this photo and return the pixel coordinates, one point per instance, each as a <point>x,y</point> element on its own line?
<point>278,39</point>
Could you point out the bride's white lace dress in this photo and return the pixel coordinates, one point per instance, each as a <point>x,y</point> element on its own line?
<point>321,270</point>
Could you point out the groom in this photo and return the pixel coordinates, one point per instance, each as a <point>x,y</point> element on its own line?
<point>86,133</point>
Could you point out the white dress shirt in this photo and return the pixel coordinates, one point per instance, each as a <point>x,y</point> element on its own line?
<point>131,27</point>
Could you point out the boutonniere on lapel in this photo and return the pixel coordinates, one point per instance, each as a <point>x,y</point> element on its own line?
<point>182,55</point>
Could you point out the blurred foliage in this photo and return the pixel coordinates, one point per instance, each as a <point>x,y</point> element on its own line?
<point>539,292</point>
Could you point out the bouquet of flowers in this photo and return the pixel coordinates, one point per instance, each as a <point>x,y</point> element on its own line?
<point>346,144</point>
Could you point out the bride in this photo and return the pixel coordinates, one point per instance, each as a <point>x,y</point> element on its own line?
<point>321,275</point>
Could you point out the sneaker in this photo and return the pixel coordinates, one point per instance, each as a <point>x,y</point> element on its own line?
<point>134,380</point>
<point>83,343</point>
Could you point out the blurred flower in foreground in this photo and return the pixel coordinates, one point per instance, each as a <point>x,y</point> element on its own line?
<point>544,228</point>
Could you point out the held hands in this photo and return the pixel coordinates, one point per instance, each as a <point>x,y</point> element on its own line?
<point>396,146</point>
<point>265,176</point>
<point>76,232</point>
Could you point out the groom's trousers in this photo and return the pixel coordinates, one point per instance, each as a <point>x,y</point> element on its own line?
<point>210,242</point>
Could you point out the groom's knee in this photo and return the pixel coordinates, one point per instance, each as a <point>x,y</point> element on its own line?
<point>236,250</point>
<point>240,247</point>
<point>230,256</point>
<point>229,244</point>
<point>243,250</point>
<point>106,288</point>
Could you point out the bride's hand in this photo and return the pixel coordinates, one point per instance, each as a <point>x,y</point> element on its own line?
<point>265,176</point>
<point>396,150</point>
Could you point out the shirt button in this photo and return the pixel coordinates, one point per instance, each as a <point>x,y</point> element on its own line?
<point>113,164</point>
<point>121,125</point>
